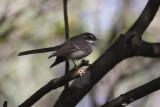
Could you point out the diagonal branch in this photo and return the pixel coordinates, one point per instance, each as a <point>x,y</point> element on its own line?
<point>145,18</point>
<point>135,94</point>
<point>55,83</point>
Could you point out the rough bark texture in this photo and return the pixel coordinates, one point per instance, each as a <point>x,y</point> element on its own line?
<point>126,45</point>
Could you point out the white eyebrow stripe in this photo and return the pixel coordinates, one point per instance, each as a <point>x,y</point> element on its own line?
<point>90,41</point>
<point>92,36</point>
<point>85,36</point>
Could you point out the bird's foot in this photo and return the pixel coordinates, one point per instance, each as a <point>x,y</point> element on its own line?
<point>81,72</point>
<point>85,61</point>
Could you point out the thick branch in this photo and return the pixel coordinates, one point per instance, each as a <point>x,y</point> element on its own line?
<point>118,51</point>
<point>54,84</point>
<point>134,94</point>
<point>149,49</point>
<point>145,18</point>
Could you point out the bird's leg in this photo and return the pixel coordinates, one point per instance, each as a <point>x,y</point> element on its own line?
<point>74,63</point>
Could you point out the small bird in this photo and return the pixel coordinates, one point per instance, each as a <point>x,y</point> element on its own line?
<point>74,48</point>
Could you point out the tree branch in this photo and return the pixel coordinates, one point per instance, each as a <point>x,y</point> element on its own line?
<point>55,83</point>
<point>149,50</point>
<point>123,48</point>
<point>145,18</point>
<point>5,104</point>
<point>135,94</point>
<point>66,18</point>
<point>66,33</point>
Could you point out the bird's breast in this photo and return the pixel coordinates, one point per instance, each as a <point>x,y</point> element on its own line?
<point>79,54</point>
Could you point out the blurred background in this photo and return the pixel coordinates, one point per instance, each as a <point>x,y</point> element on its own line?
<point>31,24</point>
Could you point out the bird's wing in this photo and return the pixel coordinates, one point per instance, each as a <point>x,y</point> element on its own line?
<point>65,49</point>
<point>68,48</point>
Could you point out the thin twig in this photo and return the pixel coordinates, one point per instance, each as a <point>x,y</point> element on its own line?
<point>66,18</point>
<point>66,33</point>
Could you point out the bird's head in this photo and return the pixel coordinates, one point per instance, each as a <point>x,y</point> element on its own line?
<point>89,37</point>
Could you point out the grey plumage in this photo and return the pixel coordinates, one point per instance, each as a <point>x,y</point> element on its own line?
<point>74,48</point>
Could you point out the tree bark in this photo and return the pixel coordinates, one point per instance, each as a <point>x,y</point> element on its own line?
<point>125,46</point>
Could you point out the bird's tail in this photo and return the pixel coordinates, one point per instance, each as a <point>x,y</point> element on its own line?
<point>39,50</point>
